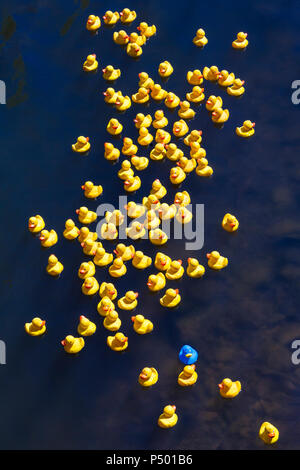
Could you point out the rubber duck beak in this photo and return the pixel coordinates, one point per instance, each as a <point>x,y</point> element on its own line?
<point>82,271</point>
<point>189,259</point>
<point>139,28</point>
<point>189,355</point>
<point>83,187</point>
<point>133,318</point>
<point>200,132</point>
<point>42,238</point>
<point>149,284</point>
<point>214,114</point>
<point>77,211</point>
<point>232,224</point>
<point>180,260</point>
<point>221,386</point>
<point>104,17</point>
<point>43,323</point>
<point>82,317</point>
<point>246,34</point>
<point>125,339</point>
<point>174,407</point>
<point>208,102</point>
<point>116,252</point>
<point>90,21</point>
<point>87,139</point>
<point>143,376</point>
<point>88,286</point>
<point>115,127</point>
<point>193,366</point>
<point>253,124</point>
<point>208,255</point>
<point>105,94</point>
<point>177,291</point>
<point>82,244</point>
<point>63,342</point>
<point>103,70</point>
<point>136,295</point>
<point>135,120</point>
<point>243,81</point>
<point>111,292</point>
<point>271,434</point>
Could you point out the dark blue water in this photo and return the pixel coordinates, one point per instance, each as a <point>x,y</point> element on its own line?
<point>242,320</point>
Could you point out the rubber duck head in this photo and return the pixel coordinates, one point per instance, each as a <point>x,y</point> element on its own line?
<point>153,201</point>
<point>120,338</point>
<point>125,12</point>
<point>111,228</point>
<point>32,222</point>
<point>109,93</point>
<point>211,100</point>
<point>197,90</point>
<point>170,97</point>
<point>182,162</point>
<point>217,113</point>
<point>84,232</point>
<point>100,252</point>
<point>112,315</point>
<point>84,268</point>
<point>202,163</point>
<point>197,74</point>
<point>164,209</point>
<point>231,220</point>
<point>131,296</point>
<point>176,264</point>
<point>159,147</point>
<point>188,355</point>
<point>178,127</point>
<point>120,248</point>
<point>109,290</point>
<point>156,88</point>
<point>123,35</point>
<point>215,71</point>
<point>152,280</point>
<point>91,58</point>
<point>133,37</point>
<point>88,186</point>
<point>108,15</point>
<point>159,114</point>
<point>88,283</point>
<point>139,319</point>
<point>200,33</point>
<point>127,142</point>
<point>126,165</point>
<point>69,224</point>
<point>118,263</point>
<point>91,19</point>
<point>143,76</point>
<point>163,66</point>
<point>89,244</point>
<point>189,370</point>
<point>214,256</point>
<point>143,131</point>
<point>82,211</point>
<point>169,411</point>
<point>174,173</point>
<point>225,384</point>
<point>108,69</point>
<point>146,373</point>
<point>52,260</point>
<point>185,105</point>
<point>142,27</point>
<point>84,321</point>
<point>108,147</point>
<point>193,262</point>
<point>137,226</point>
<point>81,140</point>
<point>151,215</point>
<point>248,125</point>
<point>38,323</point>
<point>238,83</point>
<point>129,181</point>
<point>270,430</point>
<point>161,259</point>
<point>106,304</point>
<point>143,92</point>
<point>68,341</point>
<point>196,135</point>
<point>171,147</point>
<point>156,185</point>
<point>172,293</point>
<point>139,118</point>
<point>242,36</point>
<point>114,123</point>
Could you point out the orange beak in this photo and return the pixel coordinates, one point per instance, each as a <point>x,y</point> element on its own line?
<point>174,407</point>
<point>43,323</point>
<point>77,211</point>
<point>63,342</point>
<point>133,318</point>
<point>208,255</point>
<point>83,187</point>
<point>271,434</point>
<point>177,291</point>
<point>221,386</point>
<point>143,376</point>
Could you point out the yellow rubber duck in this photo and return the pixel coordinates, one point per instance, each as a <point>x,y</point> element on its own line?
<point>91,63</point>
<point>182,198</point>
<point>85,233</point>
<point>220,115</point>
<point>141,261</point>
<point>226,78</point>
<point>216,261</point>
<point>152,220</point>
<point>268,433</point>
<point>151,202</point>
<point>85,216</point>
<point>109,231</point>
<point>129,148</point>
<point>175,271</point>
<point>158,93</point>
<point>196,151</point>
<point>158,152</point>
<point>141,325</point>
<point>132,183</point>
<point>107,289</point>
<point>127,15</point>
<point>146,30</point>
<point>135,231</point>
<point>246,130</point>
<point>200,40</point>
<point>162,136</point>
<point>165,69</point>
<point>185,111</point>
<point>119,342</point>
<point>90,286</point>
<point>148,377</point>
<point>177,175</point>
<point>36,327</point>
<point>118,268</point>
<point>230,223</point>
<point>168,418</point>
<point>85,327</point>
<point>48,238</point>
<point>138,39</point>
<point>102,258</point>
<point>158,190</point>
<point>121,37</point>
<point>141,120</point>
<point>172,100</point>
<point>145,138</point>
<point>114,127</point>
<point>86,269</point>
<point>173,152</point>
<point>229,389</point>
<point>134,210</point>
<point>112,321</point>
<point>194,77</point>
<point>241,41</point>
<point>90,247</point>
<point>91,190</point>
<point>139,163</point>
<point>156,282</point>
<point>105,306</point>
<point>93,23</point>
<point>115,217</point>
<point>110,18</point>
<point>160,120</point>
<point>111,96</point>
<point>129,301</point>
<point>162,262</point>
<point>111,153</point>
<point>134,50</point>
<point>196,95</point>
<point>180,128</point>
<point>194,136</point>
<point>237,89</point>
<point>166,211</point>
<point>142,96</point>
<point>187,164</point>
<point>203,169</point>
<point>158,237</point>
<point>36,224</point>
<point>183,216</point>
<point>145,81</point>
<point>171,298</point>
<point>123,103</point>
<point>195,269</point>
<point>212,74</point>
<point>188,376</point>
<point>82,145</point>
<point>71,231</point>
<point>125,171</point>
<point>214,102</point>
<point>72,345</point>
<point>124,252</point>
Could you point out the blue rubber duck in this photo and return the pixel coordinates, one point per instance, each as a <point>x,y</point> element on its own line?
<point>188,355</point>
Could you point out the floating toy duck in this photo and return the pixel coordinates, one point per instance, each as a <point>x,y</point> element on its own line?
<point>212,74</point>
<point>165,69</point>
<point>109,231</point>
<point>167,212</point>
<point>121,37</point>
<point>141,325</point>
<point>54,267</point>
<point>139,163</point>
<point>71,231</point>
<point>177,175</point>
<point>132,183</point>
<point>112,321</point>
<point>148,377</point>
<point>110,18</point>
<point>114,127</point>
<point>194,77</point>
<point>162,262</point>
<point>229,389</point>
<point>93,23</point>
<point>173,152</point>
<point>48,238</point>
<point>200,40</point>
<point>168,418</point>
<point>123,103</point>
<point>36,224</point>
<point>107,289</point>
<point>196,151</point>
<point>90,286</point>
<point>220,115</point>
<point>138,39</point>
<point>194,136</point>
<point>145,138</point>
<point>135,210</point>
<point>105,306</point>
<point>171,298</point>
<point>85,216</point>
<point>158,189</point>
<point>158,93</point>
<point>146,30</point>
<point>152,220</point>
<point>145,81</point>
<point>237,89</point>
<point>241,41</point>
<point>91,63</point>
<point>129,301</point>
<point>188,376</point>
<point>134,50</point>
<point>195,269</point>
<point>203,169</point>
<point>151,202</point>
<point>187,164</point>
<point>102,258</point>
<point>214,102</point>
<point>180,128</point>
<point>230,223</point>
<point>182,198</point>
<point>268,433</point>
<point>160,120</point>
<point>119,342</point>
<point>162,136</point>
<point>141,261</point>
<point>127,15</point>
<point>172,100</point>
<point>183,216</point>
<point>158,237</point>
<point>158,152</point>
<point>226,78</point>
<point>86,327</point>
<point>125,171</point>
<point>85,233</point>
<point>135,231</point>
<point>111,96</point>
<point>175,271</point>
<point>185,110</point>
<point>216,261</point>
<point>86,269</point>
<point>188,355</point>
<point>82,145</point>
<point>142,96</point>
<point>129,148</point>
<point>156,282</point>
<point>72,345</point>
<point>36,327</point>
<point>90,247</point>
<point>142,121</point>
<point>115,217</point>
<point>118,268</point>
<point>246,130</point>
<point>91,190</point>
<point>196,95</point>
<point>124,252</point>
